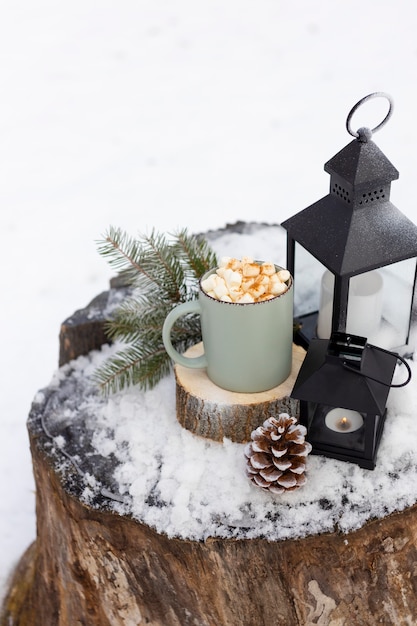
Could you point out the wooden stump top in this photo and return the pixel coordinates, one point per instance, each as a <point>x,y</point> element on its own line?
<point>128,454</point>
<point>100,561</point>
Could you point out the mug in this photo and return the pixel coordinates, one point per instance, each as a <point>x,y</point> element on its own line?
<point>247,346</point>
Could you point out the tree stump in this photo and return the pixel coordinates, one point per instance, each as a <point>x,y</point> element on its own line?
<point>85,329</point>
<point>206,410</point>
<point>91,566</point>
<point>96,568</point>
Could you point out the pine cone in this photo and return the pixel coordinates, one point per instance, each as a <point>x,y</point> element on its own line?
<point>275,458</point>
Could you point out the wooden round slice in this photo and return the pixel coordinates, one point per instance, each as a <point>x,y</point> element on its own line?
<point>210,411</point>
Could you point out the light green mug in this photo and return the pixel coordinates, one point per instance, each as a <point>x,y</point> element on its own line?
<point>247,347</point>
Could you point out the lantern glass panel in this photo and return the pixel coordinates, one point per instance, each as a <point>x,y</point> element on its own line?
<point>399,280</point>
<point>308,272</point>
<point>379,305</point>
<point>325,433</point>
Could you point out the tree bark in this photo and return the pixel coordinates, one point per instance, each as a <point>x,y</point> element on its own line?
<point>97,568</point>
<point>208,411</point>
<point>93,567</point>
<point>84,330</point>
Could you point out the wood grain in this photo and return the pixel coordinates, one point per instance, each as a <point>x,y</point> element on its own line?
<point>209,411</point>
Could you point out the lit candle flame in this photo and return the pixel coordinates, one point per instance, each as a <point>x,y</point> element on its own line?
<point>343,420</point>
<point>344,423</point>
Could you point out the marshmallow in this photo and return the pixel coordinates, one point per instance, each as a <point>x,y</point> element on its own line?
<point>268,269</point>
<point>246,299</point>
<point>278,288</point>
<point>284,275</point>
<point>257,291</point>
<point>232,278</point>
<point>209,283</point>
<point>251,269</point>
<point>220,289</point>
<point>245,281</point>
<point>235,294</point>
<point>235,264</point>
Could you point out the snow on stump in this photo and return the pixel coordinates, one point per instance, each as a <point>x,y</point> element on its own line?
<point>95,564</point>
<point>209,411</point>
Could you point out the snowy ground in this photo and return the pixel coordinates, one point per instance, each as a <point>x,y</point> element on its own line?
<point>149,114</point>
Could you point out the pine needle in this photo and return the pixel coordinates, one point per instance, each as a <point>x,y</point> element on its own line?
<point>162,271</point>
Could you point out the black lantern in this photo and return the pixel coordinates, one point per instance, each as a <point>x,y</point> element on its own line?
<point>353,253</point>
<point>353,258</point>
<point>343,386</point>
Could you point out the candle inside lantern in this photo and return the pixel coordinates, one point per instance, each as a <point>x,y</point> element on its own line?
<point>364,310</point>
<point>343,420</point>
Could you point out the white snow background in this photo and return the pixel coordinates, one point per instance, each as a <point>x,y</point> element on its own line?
<point>167,114</point>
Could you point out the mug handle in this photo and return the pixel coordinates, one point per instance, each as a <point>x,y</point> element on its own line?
<point>192,306</point>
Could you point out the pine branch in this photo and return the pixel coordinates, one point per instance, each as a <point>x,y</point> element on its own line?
<point>136,316</point>
<point>134,365</point>
<point>147,264</point>
<point>163,272</point>
<point>121,251</point>
<point>196,254</point>
<point>163,266</point>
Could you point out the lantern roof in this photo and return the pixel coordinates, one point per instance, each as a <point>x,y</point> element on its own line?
<point>355,228</point>
<point>361,162</point>
<point>324,380</point>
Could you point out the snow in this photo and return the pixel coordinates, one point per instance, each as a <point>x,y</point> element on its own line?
<point>157,114</point>
<point>194,488</point>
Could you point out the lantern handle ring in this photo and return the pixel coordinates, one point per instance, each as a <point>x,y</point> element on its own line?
<point>364,134</point>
